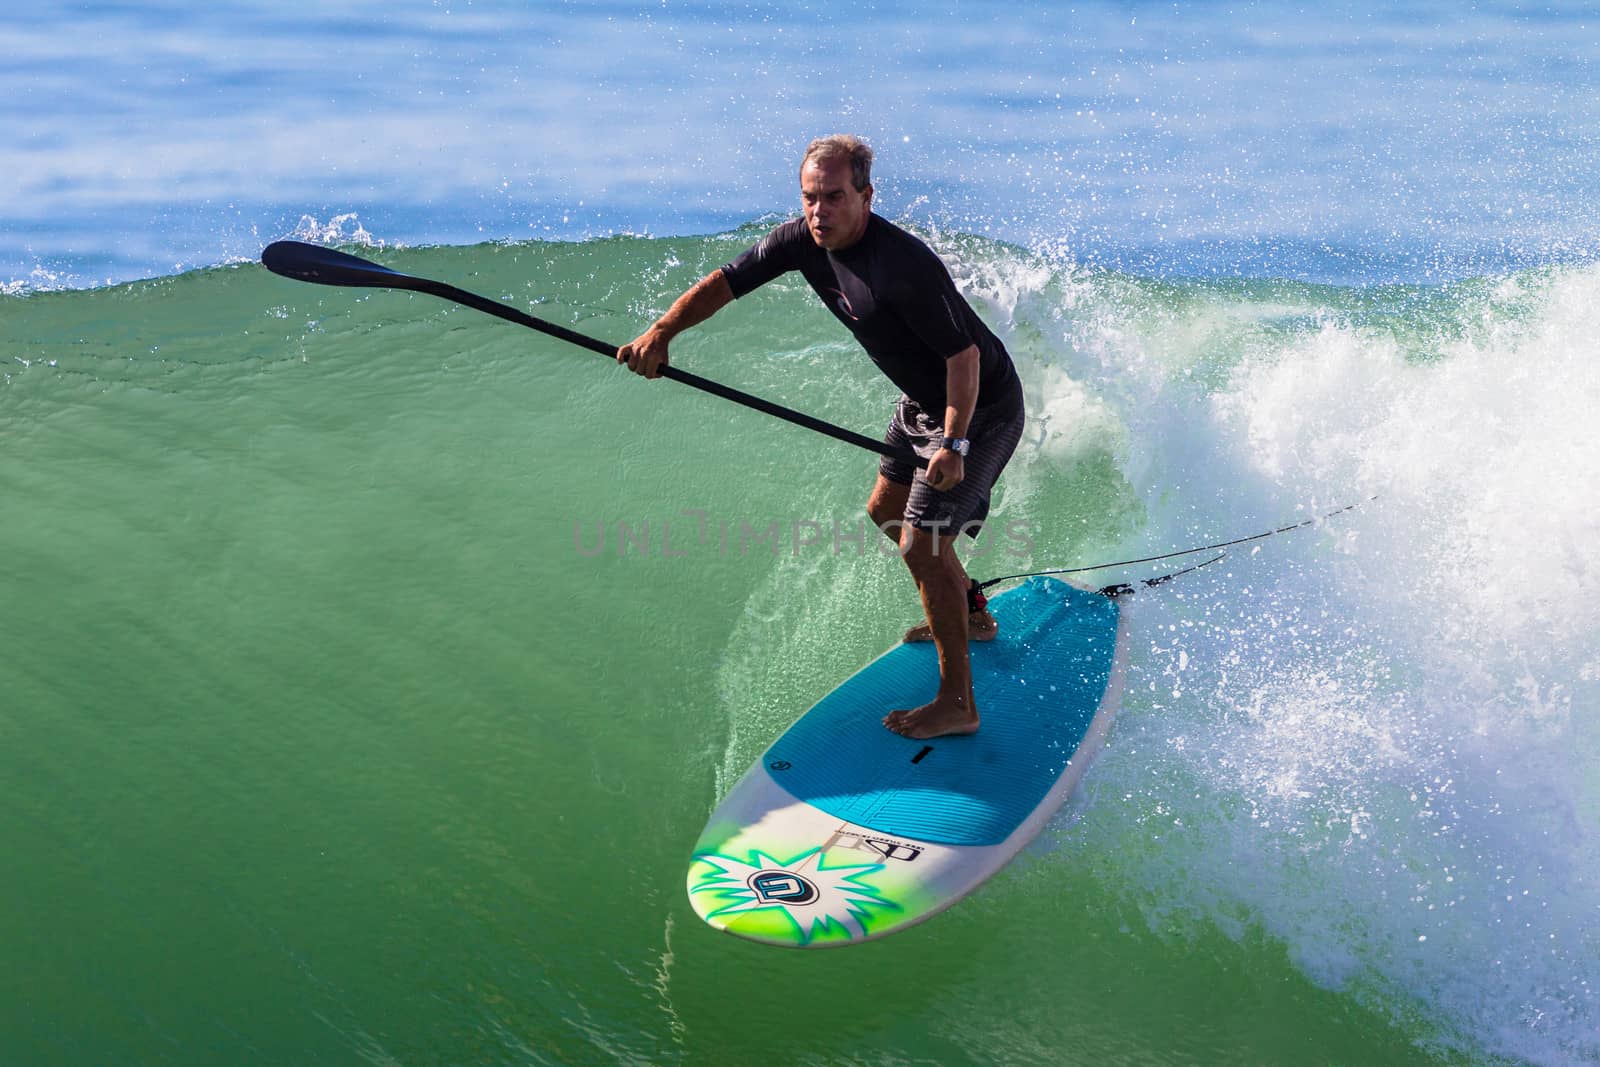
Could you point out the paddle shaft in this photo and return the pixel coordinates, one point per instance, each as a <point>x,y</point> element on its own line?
<point>313,263</point>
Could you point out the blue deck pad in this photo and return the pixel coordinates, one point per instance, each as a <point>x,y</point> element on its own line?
<point>1038,686</point>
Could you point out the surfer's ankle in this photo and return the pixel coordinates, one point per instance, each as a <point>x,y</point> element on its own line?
<point>981,626</point>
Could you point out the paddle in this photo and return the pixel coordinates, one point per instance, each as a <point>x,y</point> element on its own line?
<point>325,266</point>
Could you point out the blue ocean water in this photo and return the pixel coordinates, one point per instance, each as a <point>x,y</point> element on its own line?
<point>1335,142</point>
<point>322,740</point>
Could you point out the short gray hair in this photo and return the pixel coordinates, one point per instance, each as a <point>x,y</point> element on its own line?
<point>843,146</point>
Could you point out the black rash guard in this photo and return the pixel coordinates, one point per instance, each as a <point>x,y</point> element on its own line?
<point>895,295</point>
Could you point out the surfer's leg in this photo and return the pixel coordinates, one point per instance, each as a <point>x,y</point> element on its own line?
<point>939,577</point>
<point>980,624</point>
<point>886,507</point>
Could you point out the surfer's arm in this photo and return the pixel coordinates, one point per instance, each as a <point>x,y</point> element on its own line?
<point>947,469</point>
<point>960,390</point>
<point>647,353</point>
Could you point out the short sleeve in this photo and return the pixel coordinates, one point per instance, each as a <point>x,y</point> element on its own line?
<point>933,308</point>
<point>769,257</point>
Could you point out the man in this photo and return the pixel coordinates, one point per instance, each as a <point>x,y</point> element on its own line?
<point>962,409</point>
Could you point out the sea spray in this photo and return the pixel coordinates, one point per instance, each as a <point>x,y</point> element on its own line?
<point>1389,724</point>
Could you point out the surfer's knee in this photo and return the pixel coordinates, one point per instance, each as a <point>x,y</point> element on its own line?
<point>929,554</point>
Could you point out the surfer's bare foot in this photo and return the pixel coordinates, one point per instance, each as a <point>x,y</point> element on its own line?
<point>980,627</point>
<point>943,717</point>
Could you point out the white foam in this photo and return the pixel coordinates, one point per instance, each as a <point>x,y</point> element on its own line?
<point>342,229</point>
<point>39,280</point>
<point>1376,739</point>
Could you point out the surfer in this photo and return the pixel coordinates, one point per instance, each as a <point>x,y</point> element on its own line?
<point>961,411</point>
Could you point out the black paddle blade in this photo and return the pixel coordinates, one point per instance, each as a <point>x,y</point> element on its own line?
<point>313,263</point>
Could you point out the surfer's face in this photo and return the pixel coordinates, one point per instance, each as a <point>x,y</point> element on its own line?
<point>835,210</point>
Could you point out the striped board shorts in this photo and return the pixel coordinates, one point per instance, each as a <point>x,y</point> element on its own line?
<point>993,432</point>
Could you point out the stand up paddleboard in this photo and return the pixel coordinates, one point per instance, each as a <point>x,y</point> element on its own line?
<point>844,832</point>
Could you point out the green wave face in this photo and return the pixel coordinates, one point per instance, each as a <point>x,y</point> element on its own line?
<point>372,664</point>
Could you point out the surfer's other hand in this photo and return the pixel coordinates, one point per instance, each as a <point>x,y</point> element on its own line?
<point>646,354</point>
<point>946,470</point>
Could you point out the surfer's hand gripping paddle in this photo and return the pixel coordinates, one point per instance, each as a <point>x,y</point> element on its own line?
<point>325,266</point>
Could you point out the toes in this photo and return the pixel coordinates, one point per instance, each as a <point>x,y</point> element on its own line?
<point>900,721</point>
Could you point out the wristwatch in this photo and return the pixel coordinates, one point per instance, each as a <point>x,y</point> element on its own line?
<point>958,445</point>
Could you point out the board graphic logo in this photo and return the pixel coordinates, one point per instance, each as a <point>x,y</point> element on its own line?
<point>886,847</point>
<point>827,903</point>
<point>782,887</point>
